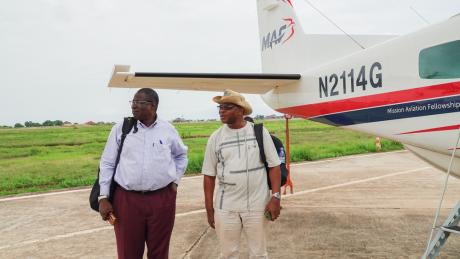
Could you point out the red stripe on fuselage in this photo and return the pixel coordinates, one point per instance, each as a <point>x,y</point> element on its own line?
<point>369,101</point>
<point>453,127</point>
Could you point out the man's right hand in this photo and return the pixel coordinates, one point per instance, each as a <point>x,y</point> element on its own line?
<point>105,208</point>
<point>209,182</point>
<point>210,214</point>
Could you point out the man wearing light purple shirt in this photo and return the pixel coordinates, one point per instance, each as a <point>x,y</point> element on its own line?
<point>152,162</point>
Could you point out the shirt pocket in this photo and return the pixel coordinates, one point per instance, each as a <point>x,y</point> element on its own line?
<point>161,150</point>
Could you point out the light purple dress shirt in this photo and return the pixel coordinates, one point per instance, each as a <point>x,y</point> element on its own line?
<point>151,158</point>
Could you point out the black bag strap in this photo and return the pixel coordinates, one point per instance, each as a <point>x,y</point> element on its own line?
<point>128,124</point>
<point>258,131</point>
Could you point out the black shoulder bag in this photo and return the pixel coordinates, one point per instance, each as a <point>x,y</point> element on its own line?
<point>128,124</point>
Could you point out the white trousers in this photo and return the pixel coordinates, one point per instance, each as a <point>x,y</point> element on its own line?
<point>229,226</point>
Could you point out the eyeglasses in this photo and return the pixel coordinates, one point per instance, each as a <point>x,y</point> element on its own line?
<point>140,103</point>
<point>226,107</point>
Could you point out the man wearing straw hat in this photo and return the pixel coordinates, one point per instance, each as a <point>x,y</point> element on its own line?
<point>243,201</point>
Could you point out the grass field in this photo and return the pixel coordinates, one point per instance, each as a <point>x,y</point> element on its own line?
<point>40,159</point>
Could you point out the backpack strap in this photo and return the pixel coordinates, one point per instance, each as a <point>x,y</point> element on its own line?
<point>128,124</point>
<point>258,132</point>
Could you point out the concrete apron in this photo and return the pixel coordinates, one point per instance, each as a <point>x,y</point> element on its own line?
<point>377,205</point>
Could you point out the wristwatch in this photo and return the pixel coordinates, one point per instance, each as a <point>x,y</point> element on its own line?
<point>277,195</point>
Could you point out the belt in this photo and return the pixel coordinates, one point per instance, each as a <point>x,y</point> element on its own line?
<point>146,192</point>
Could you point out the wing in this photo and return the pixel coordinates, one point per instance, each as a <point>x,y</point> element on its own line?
<point>243,83</point>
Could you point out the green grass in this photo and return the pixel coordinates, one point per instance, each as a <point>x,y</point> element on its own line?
<point>40,159</point>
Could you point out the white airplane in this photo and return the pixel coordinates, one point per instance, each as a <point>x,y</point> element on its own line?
<point>406,88</point>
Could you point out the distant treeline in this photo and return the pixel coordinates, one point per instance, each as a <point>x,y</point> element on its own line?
<point>50,123</point>
<point>46,123</point>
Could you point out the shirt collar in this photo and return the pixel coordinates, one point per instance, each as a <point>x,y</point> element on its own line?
<point>240,129</point>
<point>140,124</point>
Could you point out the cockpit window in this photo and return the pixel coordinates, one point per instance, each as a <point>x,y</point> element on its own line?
<point>440,61</point>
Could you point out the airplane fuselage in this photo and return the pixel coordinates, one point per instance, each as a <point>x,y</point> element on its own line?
<point>385,90</point>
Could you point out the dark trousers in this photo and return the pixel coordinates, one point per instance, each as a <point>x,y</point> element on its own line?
<point>144,218</point>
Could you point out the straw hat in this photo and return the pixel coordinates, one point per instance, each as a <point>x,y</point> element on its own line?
<point>234,98</point>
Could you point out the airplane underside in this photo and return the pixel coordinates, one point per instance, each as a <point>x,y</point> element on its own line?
<point>426,120</point>
<point>436,159</point>
<point>433,144</point>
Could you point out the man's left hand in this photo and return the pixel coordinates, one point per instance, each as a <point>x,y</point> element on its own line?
<point>273,207</point>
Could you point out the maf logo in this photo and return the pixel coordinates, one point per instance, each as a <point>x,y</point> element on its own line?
<point>280,35</point>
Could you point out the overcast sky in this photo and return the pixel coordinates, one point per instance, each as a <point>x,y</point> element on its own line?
<point>56,56</point>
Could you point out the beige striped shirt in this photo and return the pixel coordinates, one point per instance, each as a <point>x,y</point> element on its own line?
<point>232,155</point>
